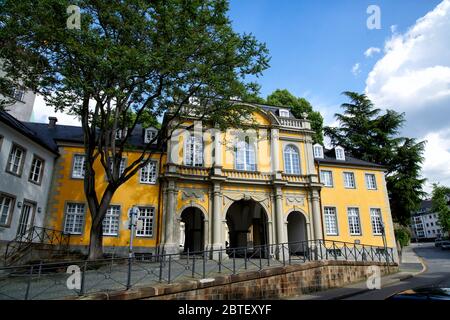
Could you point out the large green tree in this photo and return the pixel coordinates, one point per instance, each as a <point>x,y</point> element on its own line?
<point>440,205</point>
<point>129,60</point>
<point>298,107</point>
<point>368,134</point>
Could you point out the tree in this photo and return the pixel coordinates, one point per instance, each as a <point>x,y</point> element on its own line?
<point>440,205</point>
<point>298,107</point>
<point>371,136</point>
<point>130,60</point>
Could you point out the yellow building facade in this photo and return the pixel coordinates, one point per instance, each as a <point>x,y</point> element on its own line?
<point>213,190</point>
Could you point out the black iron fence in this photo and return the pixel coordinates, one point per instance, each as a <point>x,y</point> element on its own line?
<point>16,248</point>
<point>74,278</point>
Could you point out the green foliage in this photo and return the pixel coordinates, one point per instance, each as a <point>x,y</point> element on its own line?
<point>403,235</point>
<point>371,136</point>
<point>440,205</point>
<point>298,107</point>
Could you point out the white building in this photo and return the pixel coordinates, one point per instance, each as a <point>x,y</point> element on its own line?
<point>26,166</point>
<point>425,223</point>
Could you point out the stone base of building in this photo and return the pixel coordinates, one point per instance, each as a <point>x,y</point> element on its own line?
<point>271,283</point>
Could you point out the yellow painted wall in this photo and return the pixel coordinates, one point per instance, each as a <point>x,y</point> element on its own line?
<point>130,194</point>
<point>340,197</point>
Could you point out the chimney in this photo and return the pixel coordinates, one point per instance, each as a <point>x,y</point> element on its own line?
<point>52,122</point>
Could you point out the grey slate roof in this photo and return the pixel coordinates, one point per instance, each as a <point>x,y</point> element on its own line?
<point>330,157</point>
<point>48,137</point>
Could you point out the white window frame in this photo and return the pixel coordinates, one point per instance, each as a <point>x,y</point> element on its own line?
<point>149,135</point>
<point>16,161</point>
<point>33,173</point>
<point>331,185</point>
<point>111,222</point>
<point>122,165</point>
<point>376,220</point>
<point>18,93</point>
<point>148,221</point>
<point>120,133</point>
<point>318,151</point>
<point>284,113</point>
<point>78,219</point>
<point>339,153</point>
<point>78,174</point>
<point>330,220</point>
<point>291,165</point>
<point>193,147</point>
<point>369,182</point>
<point>5,217</point>
<point>346,180</point>
<point>245,148</point>
<point>146,178</point>
<point>354,221</point>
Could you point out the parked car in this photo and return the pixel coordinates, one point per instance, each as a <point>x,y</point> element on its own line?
<point>438,242</point>
<point>445,245</point>
<point>432,293</point>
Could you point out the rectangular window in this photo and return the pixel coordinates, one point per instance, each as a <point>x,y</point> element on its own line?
<point>349,180</point>
<point>371,181</point>
<point>148,173</point>
<point>18,93</point>
<point>354,223</point>
<point>74,218</point>
<point>194,151</point>
<point>6,209</point>
<point>377,222</point>
<point>146,214</point>
<point>330,221</point>
<point>326,177</point>
<point>16,159</point>
<point>122,166</point>
<point>36,171</point>
<point>111,221</point>
<point>79,166</point>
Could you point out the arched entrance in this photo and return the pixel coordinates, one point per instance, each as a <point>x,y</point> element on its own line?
<point>247,226</point>
<point>297,233</point>
<point>193,221</point>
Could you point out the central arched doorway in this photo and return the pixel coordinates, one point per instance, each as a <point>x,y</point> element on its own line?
<point>247,227</point>
<point>192,220</point>
<point>297,233</point>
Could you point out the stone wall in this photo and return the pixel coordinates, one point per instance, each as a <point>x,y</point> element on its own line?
<point>273,283</point>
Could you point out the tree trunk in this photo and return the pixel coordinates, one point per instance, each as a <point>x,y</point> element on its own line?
<point>96,242</point>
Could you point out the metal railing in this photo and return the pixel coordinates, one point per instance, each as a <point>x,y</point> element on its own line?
<point>74,278</point>
<point>16,248</point>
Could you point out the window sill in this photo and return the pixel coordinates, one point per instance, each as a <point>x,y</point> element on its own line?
<point>19,175</point>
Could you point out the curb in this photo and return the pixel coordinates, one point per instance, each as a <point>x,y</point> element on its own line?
<point>405,277</point>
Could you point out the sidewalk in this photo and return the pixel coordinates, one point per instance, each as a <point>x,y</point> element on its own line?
<point>410,266</point>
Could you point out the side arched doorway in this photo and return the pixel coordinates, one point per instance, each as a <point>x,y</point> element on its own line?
<point>297,233</point>
<point>247,227</point>
<point>192,220</point>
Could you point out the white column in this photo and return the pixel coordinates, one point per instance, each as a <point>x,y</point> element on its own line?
<point>310,168</point>
<point>217,216</point>
<point>274,148</point>
<point>317,219</point>
<point>217,149</point>
<point>170,245</point>
<point>279,216</point>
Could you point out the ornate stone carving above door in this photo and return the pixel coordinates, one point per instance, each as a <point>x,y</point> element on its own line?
<point>192,194</point>
<point>292,200</point>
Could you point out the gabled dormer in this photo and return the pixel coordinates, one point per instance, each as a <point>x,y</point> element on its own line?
<point>339,153</point>
<point>150,134</point>
<point>318,151</point>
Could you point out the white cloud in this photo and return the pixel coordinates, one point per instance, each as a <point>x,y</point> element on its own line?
<point>413,77</point>
<point>356,69</point>
<point>41,112</point>
<point>371,51</point>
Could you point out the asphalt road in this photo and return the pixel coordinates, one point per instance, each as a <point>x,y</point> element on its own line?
<point>437,274</point>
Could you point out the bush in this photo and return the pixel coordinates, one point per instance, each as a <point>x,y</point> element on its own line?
<point>403,236</point>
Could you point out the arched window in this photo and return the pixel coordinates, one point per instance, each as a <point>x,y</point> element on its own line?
<point>291,160</point>
<point>194,151</point>
<point>245,155</point>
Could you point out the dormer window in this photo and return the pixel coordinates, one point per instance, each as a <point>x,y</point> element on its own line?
<point>340,154</point>
<point>121,133</point>
<point>284,113</point>
<point>150,135</point>
<point>318,151</point>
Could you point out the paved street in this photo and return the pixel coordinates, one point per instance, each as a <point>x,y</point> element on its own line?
<point>437,274</point>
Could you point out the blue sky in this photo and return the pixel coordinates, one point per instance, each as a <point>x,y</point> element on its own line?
<point>315,44</point>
